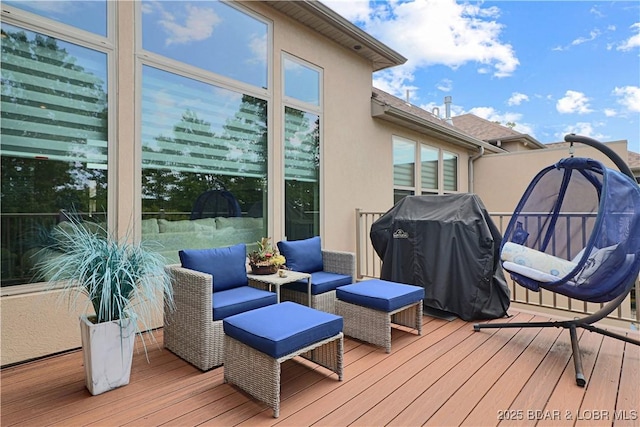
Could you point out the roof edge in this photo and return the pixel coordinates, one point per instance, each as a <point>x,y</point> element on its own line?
<point>450,135</point>
<point>525,136</point>
<point>388,57</point>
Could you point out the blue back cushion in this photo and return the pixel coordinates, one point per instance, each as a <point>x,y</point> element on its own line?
<point>302,255</point>
<point>227,265</point>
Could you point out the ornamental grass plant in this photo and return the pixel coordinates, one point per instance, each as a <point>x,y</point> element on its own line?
<point>120,279</point>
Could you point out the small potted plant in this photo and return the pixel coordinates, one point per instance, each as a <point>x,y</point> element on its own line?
<point>125,283</point>
<point>266,259</point>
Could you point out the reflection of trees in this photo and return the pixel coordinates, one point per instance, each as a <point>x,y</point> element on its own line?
<point>37,76</point>
<point>302,196</point>
<point>244,139</point>
<point>54,123</point>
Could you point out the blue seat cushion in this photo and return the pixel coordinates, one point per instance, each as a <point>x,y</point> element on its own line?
<point>380,294</point>
<point>302,255</point>
<point>321,282</point>
<point>227,265</point>
<point>238,300</point>
<point>280,329</point>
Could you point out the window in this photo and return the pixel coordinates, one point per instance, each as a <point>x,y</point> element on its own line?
<point>404,160</point>
<point>204,141</point>
<point>302,183</point>
<point>54,142</point>
<point>86,15</point>
<point>450,171</point>
<point>198,137</point>
<point>437,169</point>
<point>302,88</point>
<point>301,82</point>
<point>210,35</point>
<point>428,169</point>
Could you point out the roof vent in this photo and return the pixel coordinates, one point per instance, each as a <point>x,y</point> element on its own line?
<point>447,110</point>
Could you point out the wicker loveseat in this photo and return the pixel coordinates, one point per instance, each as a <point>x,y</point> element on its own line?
<point>204,298</point>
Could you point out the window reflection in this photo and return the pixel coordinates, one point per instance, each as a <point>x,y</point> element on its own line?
<point>450,171</point>
<point>302,167</point>
<point>301,82</point>
<point>404,158</point>
<point>87,15</point>
<point>211,35</point>
<point>201,140</point>
<point>54,143</point>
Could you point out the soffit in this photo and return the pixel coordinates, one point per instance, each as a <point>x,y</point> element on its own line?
<point>330,24</point>
<point>393,109</point>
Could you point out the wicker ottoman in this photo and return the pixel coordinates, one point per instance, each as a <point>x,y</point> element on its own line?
<point>258,341</point>
<point>369,308</point>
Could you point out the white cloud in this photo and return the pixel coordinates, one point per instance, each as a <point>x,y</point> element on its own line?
<point>445,85</point>
<point>594,10</point>
<point>441,32</point>
<point>395,81</point>
<point>629,96</point>
<point>258,46</point>
<point>517,98</point>
<point>53,7</point>
<point>592,36</point>
<point>491,114</point>
<point>633,41</point>
<point>582,128</point>
<point>441,111</point>
<point>573,102</point>
<point>198,24</point>
<point>353,10</point>
<point>610,112</point>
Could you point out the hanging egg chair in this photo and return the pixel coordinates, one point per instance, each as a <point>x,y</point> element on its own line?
<point>576,232</point>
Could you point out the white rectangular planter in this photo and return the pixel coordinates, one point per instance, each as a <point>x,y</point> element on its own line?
<point>108,352</point>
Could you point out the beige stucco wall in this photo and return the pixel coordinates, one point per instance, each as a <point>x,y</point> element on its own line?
<point>501,179</point>
<point>350,147</point>
<point>355,158</point>
<point>356,161</point>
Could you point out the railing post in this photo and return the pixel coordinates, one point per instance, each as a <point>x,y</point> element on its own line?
<point>358,243</point>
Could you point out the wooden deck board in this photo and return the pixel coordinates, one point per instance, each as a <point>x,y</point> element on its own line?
<point>628,404</point>
<point>450,375</point>
<point>503,392</point>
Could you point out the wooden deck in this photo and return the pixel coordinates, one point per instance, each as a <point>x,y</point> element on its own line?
<point>450,375</point>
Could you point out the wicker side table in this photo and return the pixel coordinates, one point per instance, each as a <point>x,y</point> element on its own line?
<point>269,280</point>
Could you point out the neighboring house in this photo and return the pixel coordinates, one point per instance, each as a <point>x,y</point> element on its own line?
<point>634,164</point>
<point>632,158</point>
<point>127,114</point>
<point>495,133</point>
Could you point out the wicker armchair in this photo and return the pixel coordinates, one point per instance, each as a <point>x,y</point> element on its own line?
<point>190,331</point>
<point>338,268</point>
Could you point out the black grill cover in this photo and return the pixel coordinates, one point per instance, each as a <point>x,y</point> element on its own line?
<point>449,245</point>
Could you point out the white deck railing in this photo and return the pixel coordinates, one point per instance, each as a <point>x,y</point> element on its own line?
<point>369,265</point>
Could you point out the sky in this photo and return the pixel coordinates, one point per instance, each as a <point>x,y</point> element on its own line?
<point>550,67</point>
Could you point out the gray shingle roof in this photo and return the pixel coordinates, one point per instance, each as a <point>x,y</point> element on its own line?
<point>483,129</point>
<point>394,101</point>
<point>633,159</point>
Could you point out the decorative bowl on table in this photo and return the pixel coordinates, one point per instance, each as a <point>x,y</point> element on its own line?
<point>266,259</point>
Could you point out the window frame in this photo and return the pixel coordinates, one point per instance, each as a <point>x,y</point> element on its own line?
<point>48,27</point>
<point>291,101</point>
<point>160,62</point>
<point>417,188</point>
<point>305,107</point>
